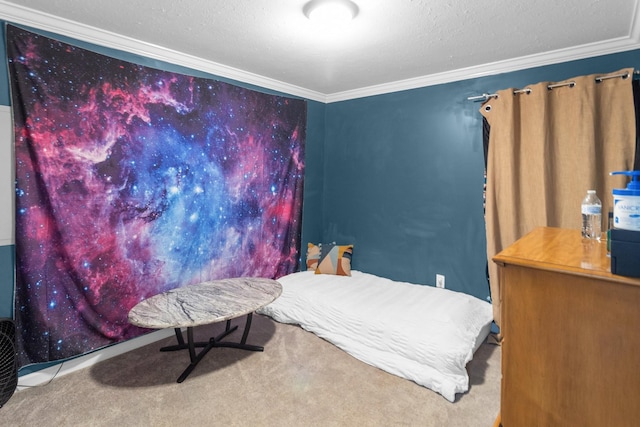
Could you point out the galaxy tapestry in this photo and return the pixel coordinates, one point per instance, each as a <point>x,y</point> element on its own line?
<point>131,181</point>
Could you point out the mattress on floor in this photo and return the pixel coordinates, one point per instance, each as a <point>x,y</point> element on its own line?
<point>418,332</point>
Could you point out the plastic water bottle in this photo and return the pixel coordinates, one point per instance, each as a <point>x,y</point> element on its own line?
<point>591,216</point>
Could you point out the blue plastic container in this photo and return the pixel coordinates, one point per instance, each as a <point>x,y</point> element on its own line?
<point>626,203</point>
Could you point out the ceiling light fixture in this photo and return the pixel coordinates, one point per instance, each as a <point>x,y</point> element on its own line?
<point>330,11</point>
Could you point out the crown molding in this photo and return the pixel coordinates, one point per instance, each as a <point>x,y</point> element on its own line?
<point>499,67</point>
<point>590,50</point>
<point>25,16</point>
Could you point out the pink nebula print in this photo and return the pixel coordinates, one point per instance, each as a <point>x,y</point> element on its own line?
<point>131,181</point>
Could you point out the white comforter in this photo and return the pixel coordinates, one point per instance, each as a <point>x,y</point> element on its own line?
<point>418,332</point>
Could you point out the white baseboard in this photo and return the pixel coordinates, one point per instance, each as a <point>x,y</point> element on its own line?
<point>48,374</point>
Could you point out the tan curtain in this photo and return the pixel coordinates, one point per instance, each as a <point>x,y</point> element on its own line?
<point>547,147</point>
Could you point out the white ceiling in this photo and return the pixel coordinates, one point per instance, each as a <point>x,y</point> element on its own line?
<point>391,45</point>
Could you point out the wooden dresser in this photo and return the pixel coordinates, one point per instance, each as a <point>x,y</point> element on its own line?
<point>571,334</point>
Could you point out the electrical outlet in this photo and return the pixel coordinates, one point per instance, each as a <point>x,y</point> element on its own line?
<point>439,280</point>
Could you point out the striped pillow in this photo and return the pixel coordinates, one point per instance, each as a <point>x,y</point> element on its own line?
<point>329,258</point>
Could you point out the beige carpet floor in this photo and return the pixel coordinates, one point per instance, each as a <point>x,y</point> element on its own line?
<point>299,380</point>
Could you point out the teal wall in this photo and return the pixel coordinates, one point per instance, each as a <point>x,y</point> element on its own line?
<point>403,176</point>
<point>7,252</point>
<point>7,263</point>
<point>4,76</point>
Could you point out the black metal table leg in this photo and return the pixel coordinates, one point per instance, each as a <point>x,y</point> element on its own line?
<point>178,332</point>
<point>191,344</point>
<point>243,342</point>
<point>247,326</point>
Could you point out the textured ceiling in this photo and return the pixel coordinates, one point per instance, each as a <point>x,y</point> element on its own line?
<point>413,41</point>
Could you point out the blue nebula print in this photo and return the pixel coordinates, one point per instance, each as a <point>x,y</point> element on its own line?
<point>131,181</point>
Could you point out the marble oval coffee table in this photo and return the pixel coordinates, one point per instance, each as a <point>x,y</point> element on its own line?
<point>204,303</point>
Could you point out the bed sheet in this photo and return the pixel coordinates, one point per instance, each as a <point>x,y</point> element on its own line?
<point>418,332</point>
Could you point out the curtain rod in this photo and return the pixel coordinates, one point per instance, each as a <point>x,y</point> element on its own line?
<point>487,96</point>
